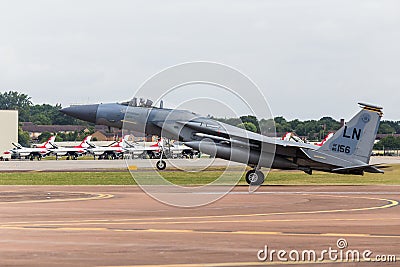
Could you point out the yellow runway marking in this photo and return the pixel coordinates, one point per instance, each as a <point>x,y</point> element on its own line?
<point>194,231</point>
<point>390,203</point>
<point>132,168</point>
<point>116,222</point>
<point>96,197</point>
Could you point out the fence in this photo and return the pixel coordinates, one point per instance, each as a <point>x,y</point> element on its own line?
<point>387,152</point>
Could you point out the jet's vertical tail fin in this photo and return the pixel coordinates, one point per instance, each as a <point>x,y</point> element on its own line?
<point>327,137</point>
<point>356,138</point>
<point>84,143</point>
<point>48,144</point>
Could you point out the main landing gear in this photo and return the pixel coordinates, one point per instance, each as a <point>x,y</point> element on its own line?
<point>255,177</point>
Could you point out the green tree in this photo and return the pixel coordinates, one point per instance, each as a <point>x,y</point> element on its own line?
<point>249,126</point>
<point>23,137</point>
<point>386,128</point>
<point>13,100</point>
<point>388,142</point>
<point>252,119</point>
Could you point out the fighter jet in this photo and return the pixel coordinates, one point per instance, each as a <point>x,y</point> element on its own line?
<point>113,151</point>
<point>38,152</point>
<point>290,136</point>
<point>70,152</point>
<point>179,150</point>
<point>170,150</point>
<point>348,151</point>
<point>142,151</point>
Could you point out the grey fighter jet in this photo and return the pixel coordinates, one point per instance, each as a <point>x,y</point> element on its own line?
<point>348,151</point>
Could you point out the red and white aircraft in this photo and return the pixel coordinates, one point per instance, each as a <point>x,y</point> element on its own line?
<point>290,136</point>
<point>40,151</point>
<point>113,151</point>
<point>136,149</point>
<point>71,152</point>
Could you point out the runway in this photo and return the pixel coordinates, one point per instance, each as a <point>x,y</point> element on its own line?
<point>122,226</point>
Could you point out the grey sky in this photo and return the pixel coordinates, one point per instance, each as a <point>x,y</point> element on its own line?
<point>310,58</point>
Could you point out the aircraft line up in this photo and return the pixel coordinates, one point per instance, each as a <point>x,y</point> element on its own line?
<point>115,150</point>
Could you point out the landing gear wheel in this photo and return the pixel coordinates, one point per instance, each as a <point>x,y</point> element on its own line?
<point>255,177</point>
<point>161,164</point>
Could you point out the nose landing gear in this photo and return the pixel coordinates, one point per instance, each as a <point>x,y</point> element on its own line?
<point>161,165</point>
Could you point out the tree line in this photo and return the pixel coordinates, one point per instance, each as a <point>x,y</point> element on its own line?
<point>41,114</point>
<point>312,130</point>
<point>309,129</point>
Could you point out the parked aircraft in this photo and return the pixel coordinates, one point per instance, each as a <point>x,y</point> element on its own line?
<point>347,151</point>
<point>38,152</point>
<point>113,151</point>
<point>179,150</point>
<point>153,151</point>
<point>290,136</point>
<point>70,152</point>
<point>169,150</point>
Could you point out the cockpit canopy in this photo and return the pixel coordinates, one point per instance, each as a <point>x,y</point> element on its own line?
<point>147,103</point>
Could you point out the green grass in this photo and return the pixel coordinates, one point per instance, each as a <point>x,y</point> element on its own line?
<point>391,177</point>
<point>86,157</point>
<point>66,178</point>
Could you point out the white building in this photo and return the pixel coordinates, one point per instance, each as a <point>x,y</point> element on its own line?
<point>9,130</point>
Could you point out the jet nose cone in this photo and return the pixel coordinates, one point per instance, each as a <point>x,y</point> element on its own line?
<point>82,112</point>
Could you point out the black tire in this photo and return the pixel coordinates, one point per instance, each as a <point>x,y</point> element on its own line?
<point>254,177</point>
<point>161,164</point>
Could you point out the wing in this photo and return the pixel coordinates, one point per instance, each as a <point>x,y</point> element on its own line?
<point>224,133</point>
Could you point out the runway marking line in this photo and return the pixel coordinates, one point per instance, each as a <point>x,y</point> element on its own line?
<point>95,197</point>
<point>194,231</point>
<point>52,226</point>
<point>390,203</point>
<point>116,222</point>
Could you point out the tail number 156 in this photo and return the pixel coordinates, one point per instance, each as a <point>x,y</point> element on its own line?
<point>341,148</point>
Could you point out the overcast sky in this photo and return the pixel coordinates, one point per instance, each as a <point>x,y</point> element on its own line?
<point>310,58</point>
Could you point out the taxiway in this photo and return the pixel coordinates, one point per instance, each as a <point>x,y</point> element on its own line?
<point>122,226</point>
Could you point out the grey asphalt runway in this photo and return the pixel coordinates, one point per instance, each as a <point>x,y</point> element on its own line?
<point>122,226</point>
